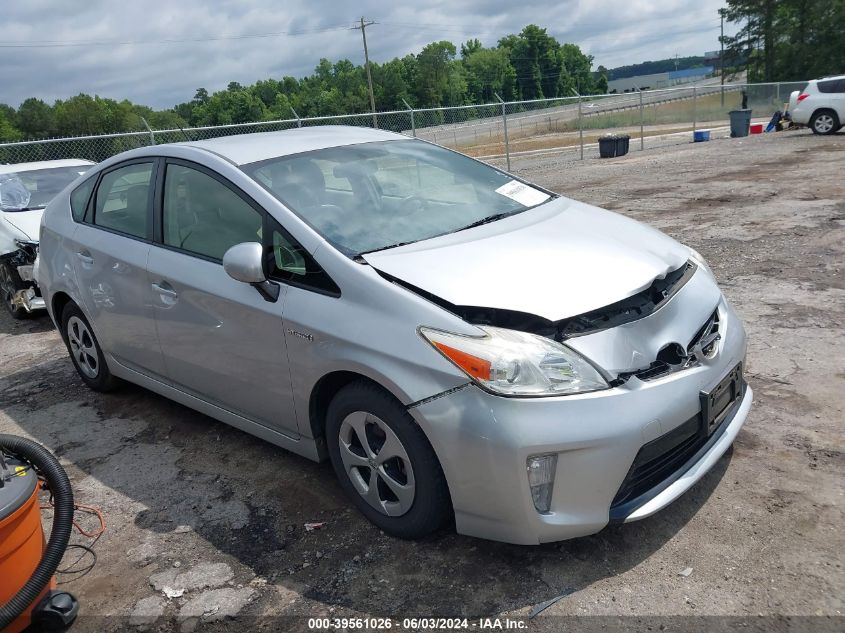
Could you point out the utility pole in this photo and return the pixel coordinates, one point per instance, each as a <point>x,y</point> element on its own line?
<point>722,51</point>
<point>363,27</point>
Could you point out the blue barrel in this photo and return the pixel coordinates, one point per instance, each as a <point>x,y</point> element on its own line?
<point>699,136</point>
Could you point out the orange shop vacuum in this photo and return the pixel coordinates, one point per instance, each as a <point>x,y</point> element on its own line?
<point>28,595</point>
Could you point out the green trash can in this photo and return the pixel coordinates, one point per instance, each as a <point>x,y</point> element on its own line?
<point>607,146</point>
<point>740,122</point>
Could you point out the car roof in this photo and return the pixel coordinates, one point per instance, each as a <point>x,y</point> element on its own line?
<point>250,148</point>
<point>16,168</point>
<point>829,78</point>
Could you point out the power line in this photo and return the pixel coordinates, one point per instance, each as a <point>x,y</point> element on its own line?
<point>74,43</point>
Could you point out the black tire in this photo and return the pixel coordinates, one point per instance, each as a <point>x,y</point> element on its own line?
<point>10,283</point>
<point>826,120</point>
<point>103,380</point>
<point>431,506</point>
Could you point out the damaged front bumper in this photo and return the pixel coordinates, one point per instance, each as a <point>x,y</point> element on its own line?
<point>619,455</point>
<point>25,262</point>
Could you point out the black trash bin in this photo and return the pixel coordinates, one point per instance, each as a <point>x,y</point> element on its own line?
<point>607,146</point>
<point>622,143</point>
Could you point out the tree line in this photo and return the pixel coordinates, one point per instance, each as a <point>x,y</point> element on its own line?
<point>529,65</point>
<point>786,40</point>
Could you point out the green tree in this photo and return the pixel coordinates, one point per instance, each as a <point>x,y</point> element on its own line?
<point>8,132</point>
<point>601,81</point>
<point>787,40</point>
<point>490,72</point>
<point>433,72</point>
<point>35,119</point>
<point>579,66</point>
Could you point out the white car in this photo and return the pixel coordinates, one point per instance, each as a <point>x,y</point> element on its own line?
<point>25,189</point>
<point>821,105</point>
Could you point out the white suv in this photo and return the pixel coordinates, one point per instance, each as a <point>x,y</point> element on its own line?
<point>821,105</point>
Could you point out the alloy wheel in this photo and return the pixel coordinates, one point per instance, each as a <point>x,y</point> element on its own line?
<point>377,463</point>
<point>823,123</point>
<point>82,347</point>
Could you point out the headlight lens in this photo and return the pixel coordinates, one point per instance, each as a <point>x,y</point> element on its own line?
<point>515,363</point>
<point>698,259</point>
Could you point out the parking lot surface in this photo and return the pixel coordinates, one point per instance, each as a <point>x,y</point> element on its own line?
<point>206,525</point>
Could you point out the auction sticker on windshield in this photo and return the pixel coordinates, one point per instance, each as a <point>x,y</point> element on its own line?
<point>522,193</point>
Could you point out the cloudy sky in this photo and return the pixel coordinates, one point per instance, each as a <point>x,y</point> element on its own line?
<point>157,52</point>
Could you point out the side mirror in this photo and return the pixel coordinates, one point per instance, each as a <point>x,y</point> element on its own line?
<point>244,262</point>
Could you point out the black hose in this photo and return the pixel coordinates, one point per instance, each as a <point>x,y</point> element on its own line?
<point>56,477</point>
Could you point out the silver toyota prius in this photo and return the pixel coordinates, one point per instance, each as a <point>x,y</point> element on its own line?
<point>456,341</point>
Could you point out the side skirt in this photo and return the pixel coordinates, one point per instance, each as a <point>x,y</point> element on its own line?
<point>305,447</point>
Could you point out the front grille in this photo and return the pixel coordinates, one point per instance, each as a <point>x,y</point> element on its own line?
<point>660,458</point>
<point>703,345</point>
<point>661,461</point>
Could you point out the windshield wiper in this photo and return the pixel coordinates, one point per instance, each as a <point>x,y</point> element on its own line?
<point>16,209</point>
<point>487,220</point>
<point>384,248</point>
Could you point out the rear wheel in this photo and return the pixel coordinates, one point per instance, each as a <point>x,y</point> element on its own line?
<point>385,463</point>
<point>824,122</point>
<point>10,283</point>
<point>85,351</point>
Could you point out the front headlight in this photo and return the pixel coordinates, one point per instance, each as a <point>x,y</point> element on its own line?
<point>515,363</point>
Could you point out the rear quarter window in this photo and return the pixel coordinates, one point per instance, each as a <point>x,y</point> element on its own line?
<point>79,199</point>
<point>832,85</point>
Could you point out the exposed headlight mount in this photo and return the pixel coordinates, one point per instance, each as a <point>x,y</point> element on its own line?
<point>699,259</point>
<point>513,363</point>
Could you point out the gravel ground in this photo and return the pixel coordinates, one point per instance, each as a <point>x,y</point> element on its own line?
<point>206,524</point>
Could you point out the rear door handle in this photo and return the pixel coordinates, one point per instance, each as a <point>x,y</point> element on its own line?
<point>85,257</point>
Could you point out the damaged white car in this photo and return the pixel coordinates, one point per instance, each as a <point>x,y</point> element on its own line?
<point>25,189</point>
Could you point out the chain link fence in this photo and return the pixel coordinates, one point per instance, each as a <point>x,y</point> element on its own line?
<point>497,132</point>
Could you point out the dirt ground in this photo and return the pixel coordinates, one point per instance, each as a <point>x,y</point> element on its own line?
<point>197,507</point>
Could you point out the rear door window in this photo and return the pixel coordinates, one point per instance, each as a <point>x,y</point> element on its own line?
<point>122,201</point>
<point>79,199</point>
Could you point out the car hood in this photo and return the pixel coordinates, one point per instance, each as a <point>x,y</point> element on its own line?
<point>27,222</point>
<point>556,261</point>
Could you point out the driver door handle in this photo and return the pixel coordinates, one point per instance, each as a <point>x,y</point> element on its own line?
<point>85,257</point>
<point>165,289</point>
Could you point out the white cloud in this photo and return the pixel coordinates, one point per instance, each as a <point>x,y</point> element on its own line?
<point>160,73</point>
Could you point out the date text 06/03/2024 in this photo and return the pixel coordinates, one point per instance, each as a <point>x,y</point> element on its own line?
<point>415,624</point>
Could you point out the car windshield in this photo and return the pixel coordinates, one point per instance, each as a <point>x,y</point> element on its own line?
<point>373,196</point>
<point>33,189</point>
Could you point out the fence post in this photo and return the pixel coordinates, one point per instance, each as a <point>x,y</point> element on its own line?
<point>642,134</point>
<point>149,129</point>
<point>505,126</point>
<point>694,108</point>
<point>413,124</point>
<point>778,103</point>
<point>580,126</point>
<point>296,116</point>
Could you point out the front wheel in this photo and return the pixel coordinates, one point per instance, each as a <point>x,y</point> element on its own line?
<point>85,351</point>
<point>385,463</point>
<point>10,284</point>
<point>824,122</point>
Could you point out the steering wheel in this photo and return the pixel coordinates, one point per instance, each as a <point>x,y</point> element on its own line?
<point>413,203</point>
